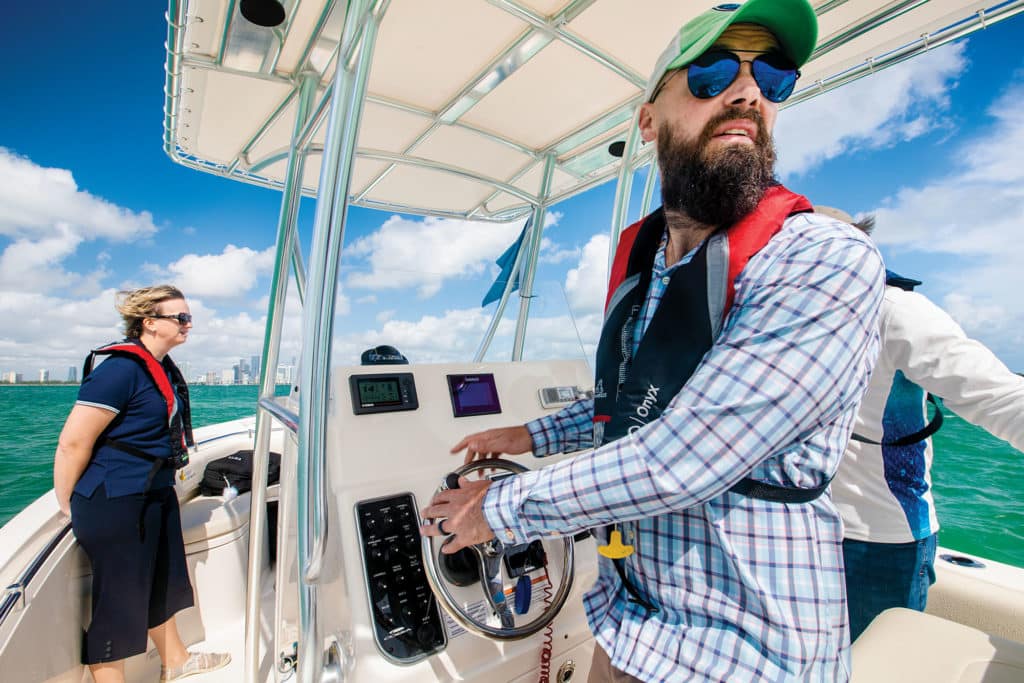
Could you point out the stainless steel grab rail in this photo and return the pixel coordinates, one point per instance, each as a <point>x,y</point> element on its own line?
<point>288,418</point>
<point>269,409</point>
<point>349,88</point>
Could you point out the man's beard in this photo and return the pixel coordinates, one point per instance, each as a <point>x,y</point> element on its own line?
<point>715,187</point>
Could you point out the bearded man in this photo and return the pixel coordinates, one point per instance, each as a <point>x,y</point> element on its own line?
<point>739,333</point>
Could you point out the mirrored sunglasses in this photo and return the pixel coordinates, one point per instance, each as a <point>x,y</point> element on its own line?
<point>714,71</point>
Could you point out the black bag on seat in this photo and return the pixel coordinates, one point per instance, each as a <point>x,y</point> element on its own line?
<point>236,470</point>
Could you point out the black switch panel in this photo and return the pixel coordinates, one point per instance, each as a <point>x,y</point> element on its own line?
<point>407,623</point>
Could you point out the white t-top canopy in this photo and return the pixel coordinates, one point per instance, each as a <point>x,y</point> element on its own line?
<point>466,98</point>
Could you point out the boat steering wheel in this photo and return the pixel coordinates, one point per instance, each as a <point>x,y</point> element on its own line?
<point>488,560</point>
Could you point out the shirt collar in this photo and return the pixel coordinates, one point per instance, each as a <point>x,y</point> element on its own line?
<point>659,257</point>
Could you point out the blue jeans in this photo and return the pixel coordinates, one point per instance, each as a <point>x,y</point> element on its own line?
<point>884,575</point>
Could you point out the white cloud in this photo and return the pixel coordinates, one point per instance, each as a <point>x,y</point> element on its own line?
<point>894,105</point>
<point>34,265</point>
<point>552,218</point>
<point>54,333</point>
<point>229,274</point>
<point>970,314</point>
<point>45,218</point>
<point>453,335</point>
<point>38,202</point>
<point>553,253</point>
<point>456,334</point>
<point>342,304</point>
<point>977,208</point>
<point>562,337</point>
<point>586,285</point>
<point>423,254</point>
<point>975,213</point>
<point>220,339</point>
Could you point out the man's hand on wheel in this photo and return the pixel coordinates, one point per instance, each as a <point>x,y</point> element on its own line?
<point>495,442</point>
<point>461,510</point>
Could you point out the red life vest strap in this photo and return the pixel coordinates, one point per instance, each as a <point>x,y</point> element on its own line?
<point>746,238</point>
<point>153,367</point>
<point>621,261</point>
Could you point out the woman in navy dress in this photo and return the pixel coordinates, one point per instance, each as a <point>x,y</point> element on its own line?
<point>114,475</point>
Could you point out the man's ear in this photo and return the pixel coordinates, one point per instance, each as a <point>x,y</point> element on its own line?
<point>648,129</point>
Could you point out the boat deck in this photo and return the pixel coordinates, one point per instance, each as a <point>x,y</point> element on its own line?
<point>228,636</point>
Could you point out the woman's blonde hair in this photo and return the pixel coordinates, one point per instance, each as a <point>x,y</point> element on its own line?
<point>135,305</point>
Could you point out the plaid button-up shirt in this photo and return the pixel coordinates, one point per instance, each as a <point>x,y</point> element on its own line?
<point>748,590</point>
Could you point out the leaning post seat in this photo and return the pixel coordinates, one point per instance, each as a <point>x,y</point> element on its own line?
<point>904,646</point>
<point>216,535</point>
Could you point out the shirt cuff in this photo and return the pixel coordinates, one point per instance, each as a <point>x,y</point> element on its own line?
<point>544,432</point>
<point>501,509</point>
<point>567,431</point>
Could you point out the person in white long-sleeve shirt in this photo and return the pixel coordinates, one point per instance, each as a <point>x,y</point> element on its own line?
<point>882,489</point>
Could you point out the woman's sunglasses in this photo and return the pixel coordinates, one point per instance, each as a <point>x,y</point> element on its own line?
<point>182,318</point>
<point>714,71</point>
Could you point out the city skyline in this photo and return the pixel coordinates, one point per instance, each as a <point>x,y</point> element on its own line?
<point>241,372</point>
<point>285,375</point>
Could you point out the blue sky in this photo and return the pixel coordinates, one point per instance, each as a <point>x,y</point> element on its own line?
<point>90,204</point>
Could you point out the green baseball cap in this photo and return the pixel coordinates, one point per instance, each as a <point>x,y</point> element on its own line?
<point>793,23</point>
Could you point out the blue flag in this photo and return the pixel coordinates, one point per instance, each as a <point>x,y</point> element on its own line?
<point>507,261</point>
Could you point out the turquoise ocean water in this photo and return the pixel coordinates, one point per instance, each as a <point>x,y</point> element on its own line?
<point>977,477</point>
<point>31,418</point>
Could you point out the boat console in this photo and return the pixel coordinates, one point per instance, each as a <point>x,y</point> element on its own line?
<point>403,609</point>
<point>406,619</point>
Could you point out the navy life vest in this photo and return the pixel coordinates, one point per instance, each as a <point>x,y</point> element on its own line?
<point>907,284</point>
<point>179,416</point>
<point>631,392</point>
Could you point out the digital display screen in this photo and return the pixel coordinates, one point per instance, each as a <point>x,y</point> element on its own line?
<point>473,395</point>
<point>383,393</point>
<point>378,392</point>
